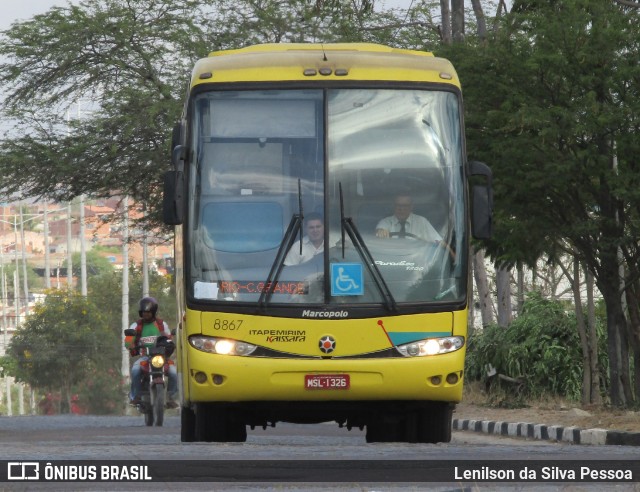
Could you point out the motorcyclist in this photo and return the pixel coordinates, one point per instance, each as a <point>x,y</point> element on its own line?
<point>147,329</point>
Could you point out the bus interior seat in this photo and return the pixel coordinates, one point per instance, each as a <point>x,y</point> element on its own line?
<point>369,214</point>
<point>245,229</point>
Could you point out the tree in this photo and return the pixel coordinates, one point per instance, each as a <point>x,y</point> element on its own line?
<point>127,64</point>
<point>96,264</point>
<point>61,341</point>
<point>558,121</point>
<point>588,338</point>
<point>482,285</point>
<point>106,291</point>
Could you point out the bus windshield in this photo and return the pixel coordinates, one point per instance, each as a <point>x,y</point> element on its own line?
<point>326,196</point>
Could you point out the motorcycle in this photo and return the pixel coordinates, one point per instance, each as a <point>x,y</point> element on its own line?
<point>155,376</point>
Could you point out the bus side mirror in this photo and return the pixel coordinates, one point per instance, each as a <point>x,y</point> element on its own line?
<point>482,210</point>
<point>173,198</point>
<point>176,135</point>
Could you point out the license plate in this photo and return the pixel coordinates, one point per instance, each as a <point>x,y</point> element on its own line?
<point>326,381</point>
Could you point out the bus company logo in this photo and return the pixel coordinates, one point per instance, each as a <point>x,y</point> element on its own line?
<point>308,313</point>
<point>273,336</point>
<point>327,344</point>
<point>285,338</point>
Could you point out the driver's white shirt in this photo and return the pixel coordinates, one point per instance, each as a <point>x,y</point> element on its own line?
<point>415,224</point>
<point>308,251</point>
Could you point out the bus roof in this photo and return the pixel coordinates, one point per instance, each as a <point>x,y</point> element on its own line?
<point>323,62</point>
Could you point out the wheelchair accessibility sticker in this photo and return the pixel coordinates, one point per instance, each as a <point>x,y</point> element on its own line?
<point>346,279</point>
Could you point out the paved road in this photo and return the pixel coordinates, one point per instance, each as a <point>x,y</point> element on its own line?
<point>95,438</point>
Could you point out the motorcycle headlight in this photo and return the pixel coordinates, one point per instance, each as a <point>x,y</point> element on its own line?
<point>222,346</point>
<point>157,361</point>
<point>431,346</point>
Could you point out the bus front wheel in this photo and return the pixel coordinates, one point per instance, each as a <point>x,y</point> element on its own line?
<point>215,422</point>
<point>187,424</point>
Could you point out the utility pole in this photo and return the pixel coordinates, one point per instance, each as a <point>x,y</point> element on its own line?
<point>3,280</point>
<point>69,249</point>
<point>5,297</point>
<point>125,287</point>
<point>47,268</point>
<point>145,265</point>
<point>25,281</point>
<point>16,276</point>
<point>16,304</point>
<point>20,399</point>
<point>83,251</point>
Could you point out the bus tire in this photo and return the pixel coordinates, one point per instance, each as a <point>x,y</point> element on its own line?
<point>216,423</point>
<point>226,427</point>
<point>236,432</point>
<point>203,424</point>
<point>187,424</point>
<point>434,423</point>
<point>383,432</point>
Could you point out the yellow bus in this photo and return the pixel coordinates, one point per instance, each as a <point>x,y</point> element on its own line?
<point>321,196</point>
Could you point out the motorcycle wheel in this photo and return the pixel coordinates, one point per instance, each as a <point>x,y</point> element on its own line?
<point>157,403</point>
<point>148,415</point>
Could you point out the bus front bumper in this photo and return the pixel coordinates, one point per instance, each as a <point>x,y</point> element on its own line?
<point>218,378</point>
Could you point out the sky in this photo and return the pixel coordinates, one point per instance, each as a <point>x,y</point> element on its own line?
<point>13,10</point>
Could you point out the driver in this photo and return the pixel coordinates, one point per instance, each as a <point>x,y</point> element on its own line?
<point>404,223</point>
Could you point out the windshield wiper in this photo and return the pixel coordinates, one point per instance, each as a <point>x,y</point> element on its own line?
<point>348,226</point>
<point>295,227</point>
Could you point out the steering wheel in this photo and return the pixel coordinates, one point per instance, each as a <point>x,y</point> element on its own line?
<point>409,235</point>
<point>439,244</point>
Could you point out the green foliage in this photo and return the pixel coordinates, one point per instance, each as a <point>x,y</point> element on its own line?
<point>58,343</point>
<point>128,64</point>
<point>72,345</point>
<point>546,100</point>
<point>541,347</point>
<point>32,280</point>
<point>96,264</point>
<point>108,289</point>
<point>106,249</point>
<point>553,105</point>
<point>101,391</point>
<point>127,61</point>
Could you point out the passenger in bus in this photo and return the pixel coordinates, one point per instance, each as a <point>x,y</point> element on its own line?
<point>312,242</point>
<point>404,223</point>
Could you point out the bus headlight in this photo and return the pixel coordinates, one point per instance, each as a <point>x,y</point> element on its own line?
<point>222,346</point>
<point>431,346</point>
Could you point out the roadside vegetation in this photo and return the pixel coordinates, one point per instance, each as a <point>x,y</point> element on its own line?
<point>538,357</point>
<point>69,350</point>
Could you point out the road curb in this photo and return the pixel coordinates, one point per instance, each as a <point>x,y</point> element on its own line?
<point>569,434</point>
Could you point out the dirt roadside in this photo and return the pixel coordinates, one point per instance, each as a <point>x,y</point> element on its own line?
<point>554,414</point>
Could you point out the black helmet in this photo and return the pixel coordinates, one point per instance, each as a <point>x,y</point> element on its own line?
<point>148,304</point>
